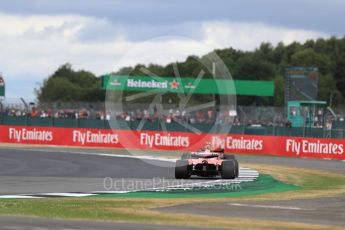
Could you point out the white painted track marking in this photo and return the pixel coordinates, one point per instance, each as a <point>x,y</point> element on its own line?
<point>265,206</point>
<point>100,154</point>
<point>65,194</point>
<point>17,196</point>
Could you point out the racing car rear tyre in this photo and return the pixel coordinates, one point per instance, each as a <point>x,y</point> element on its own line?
<point>228,169</point>
<point>182,169</point>
<point>232,157</point>
<point>185,156</point>
<point>237,168</point>
<point>229,157</point>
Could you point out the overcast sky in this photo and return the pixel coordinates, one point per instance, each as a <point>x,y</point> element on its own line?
<point>37,36</point>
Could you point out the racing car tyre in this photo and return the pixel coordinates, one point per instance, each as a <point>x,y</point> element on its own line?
<point>229,157</point>
<point>185,156</point>
<point>182,169</point>
<point>237,168</point>
<point>228,169</point>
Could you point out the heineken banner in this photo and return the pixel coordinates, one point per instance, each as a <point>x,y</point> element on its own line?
<point>187,85</point>
<point>2,86</point>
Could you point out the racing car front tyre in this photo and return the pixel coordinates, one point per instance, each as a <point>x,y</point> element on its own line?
<point>229,157</point>
<point>182,169</point>
<point>228,169</point>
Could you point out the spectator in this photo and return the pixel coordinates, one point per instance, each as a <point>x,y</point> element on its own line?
<point>34,112</point>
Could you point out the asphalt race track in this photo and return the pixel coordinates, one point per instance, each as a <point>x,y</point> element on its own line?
<point>25,171</point>
<point>29,171</point>
<point>326,211</point>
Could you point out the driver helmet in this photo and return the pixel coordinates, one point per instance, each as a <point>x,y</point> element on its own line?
<point>207,146</point>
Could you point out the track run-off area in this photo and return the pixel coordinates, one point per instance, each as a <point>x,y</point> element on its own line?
<point>301,193</point>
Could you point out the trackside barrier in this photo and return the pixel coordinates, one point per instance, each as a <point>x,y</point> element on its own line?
<point>179,141</point>
<point>337,131</point>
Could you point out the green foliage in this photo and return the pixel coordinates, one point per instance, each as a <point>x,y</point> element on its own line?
<point>279,90</point>
<point>328,90</point>
<point>68,85</point>
<point>267,62</point>
<point>308,57</point>
<point>250,67</point>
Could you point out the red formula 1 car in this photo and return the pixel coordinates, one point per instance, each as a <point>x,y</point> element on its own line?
<point>207,163</point>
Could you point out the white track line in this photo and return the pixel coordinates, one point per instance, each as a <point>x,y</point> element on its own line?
<point>99,154</point>
<point>266,206</point>
<point>17,197</point>
<point>65,194</point>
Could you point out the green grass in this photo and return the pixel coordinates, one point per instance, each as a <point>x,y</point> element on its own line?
<point>73,208</point>
<point>132,211</point>
<point>263,184</point>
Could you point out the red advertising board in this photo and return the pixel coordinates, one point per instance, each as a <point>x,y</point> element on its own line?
<point>179,141</point>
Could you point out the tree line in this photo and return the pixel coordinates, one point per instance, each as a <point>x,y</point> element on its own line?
<point>267,62</point>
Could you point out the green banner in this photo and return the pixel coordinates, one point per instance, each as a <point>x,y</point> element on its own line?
<point>187,85</point>
<point>2,87</point>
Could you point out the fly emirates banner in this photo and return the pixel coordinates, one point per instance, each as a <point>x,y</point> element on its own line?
<point>178,141</point>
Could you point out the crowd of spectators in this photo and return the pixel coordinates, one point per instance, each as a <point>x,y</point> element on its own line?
<point>207,116</point>
<point>256,116</point>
